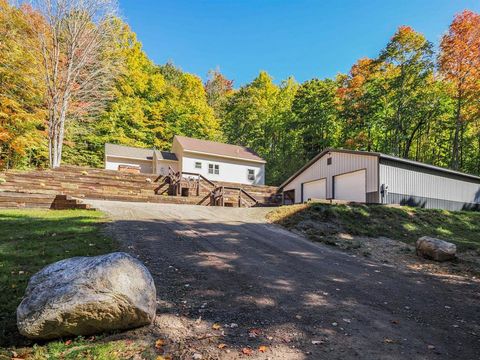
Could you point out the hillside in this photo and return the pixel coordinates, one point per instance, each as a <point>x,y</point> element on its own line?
<point>387,234</point>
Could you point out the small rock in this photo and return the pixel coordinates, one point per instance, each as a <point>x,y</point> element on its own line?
<point>334,324</point>
<point>431,347</point>
<point>347,321</point>
<point>197,356</point>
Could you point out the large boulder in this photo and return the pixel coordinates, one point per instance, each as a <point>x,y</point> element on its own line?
<point>435,249</point>
<point>87,295</point>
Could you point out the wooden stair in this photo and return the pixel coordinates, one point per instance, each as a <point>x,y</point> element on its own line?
<point>76,182</point>
<point>18,200</point>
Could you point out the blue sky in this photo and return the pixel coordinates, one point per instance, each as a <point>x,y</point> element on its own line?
<point>302,38</point>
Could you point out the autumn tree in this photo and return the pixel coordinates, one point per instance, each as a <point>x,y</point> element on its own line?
<point>74,38</point>
<point>218,89</point>
<point>21,92</point>
<point>361,106</point>
<point>459,62</point>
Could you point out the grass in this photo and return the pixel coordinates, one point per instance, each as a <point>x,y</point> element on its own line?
<point>404,224</point>
<point>31,239</point>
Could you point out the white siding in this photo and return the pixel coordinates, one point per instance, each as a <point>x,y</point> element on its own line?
<point>112,163</point>
<point>407,180</point>
<point>162,166</point>
<point>341,163</point>
<point>231,170</point>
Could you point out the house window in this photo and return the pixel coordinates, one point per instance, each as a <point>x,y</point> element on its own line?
<point>214,169</point>
<point>251,174</point>
<point>329,161</point>
<point>198,165</point>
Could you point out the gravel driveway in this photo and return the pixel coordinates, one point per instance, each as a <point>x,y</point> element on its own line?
<point>266,286</point>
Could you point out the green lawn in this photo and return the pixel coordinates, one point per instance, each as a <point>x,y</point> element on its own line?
<point>31,239</point>
<point>406,224</point>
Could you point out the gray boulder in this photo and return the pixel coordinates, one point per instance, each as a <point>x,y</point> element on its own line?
<point>435,249</point>
<point>87,295</point>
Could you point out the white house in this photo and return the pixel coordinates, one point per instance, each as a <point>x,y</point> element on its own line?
<point>215,161</point>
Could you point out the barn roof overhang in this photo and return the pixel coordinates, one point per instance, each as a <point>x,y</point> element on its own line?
<point>380,156</point>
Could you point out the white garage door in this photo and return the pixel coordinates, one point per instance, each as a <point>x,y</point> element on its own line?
<point>351,186</point>
<point>316,189</point>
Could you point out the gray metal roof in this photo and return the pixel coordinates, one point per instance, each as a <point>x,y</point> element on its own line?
<point>379,155</point>
<point>138,152</point>
<point>128,151</point>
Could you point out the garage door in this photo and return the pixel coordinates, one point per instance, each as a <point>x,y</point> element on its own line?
<point>351,186</point>
<point>316,189</point>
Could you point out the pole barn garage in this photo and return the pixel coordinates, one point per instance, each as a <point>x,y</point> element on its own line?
<point>375,178</point>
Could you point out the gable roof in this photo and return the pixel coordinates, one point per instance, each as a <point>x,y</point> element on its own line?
<point>218,149</point>
<point>134,152</point>
<point>380,156</point>
<point>128,151</point>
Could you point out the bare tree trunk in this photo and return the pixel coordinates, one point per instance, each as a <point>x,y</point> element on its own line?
<point>456,135</point>
<point>74,36</point>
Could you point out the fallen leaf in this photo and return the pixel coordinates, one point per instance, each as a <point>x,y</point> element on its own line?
<point>159,343</point>
<point>254,332</point>
<point>222,346</point>
<point>164,357</point>
<point>262,348</point>
<point>68,342</point>
<point>389,341</point>
<point>216,326</point>
<point>247,351</point>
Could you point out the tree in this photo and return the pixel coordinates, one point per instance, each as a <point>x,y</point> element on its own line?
<point>459,62</point>
<point>259,116</point>
<point>361,96</point>
<point>407,62</point>
<point>316,115</point>
<point>21,92</point>
<point>218,89</point>
<point>74,38</point>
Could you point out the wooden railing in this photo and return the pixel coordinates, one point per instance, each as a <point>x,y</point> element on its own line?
<point>216,194</point>
<point>199,178</point>
<point>172,179</point>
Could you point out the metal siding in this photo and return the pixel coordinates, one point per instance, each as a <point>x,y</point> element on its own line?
<point>341,163</point>
<point>428,203</point>
<point>425,186</point>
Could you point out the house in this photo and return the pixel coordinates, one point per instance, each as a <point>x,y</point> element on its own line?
<point>371,177</point>
<point>215,161</point>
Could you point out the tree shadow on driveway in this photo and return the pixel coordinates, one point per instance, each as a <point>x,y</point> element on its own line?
<point>267,286</point>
